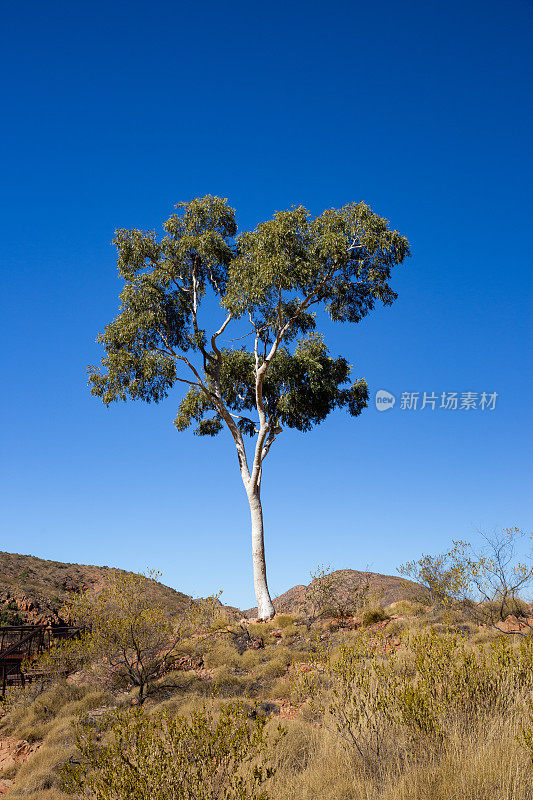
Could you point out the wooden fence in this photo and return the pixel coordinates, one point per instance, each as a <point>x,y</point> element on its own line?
<point>25,643</point>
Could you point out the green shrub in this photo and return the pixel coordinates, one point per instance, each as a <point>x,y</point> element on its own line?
<point>405,608</point>
<point>431,683</point>
<point>9,614</point>
<point>374,614</point>
<point>221,654</point>
<point>272,669</point>
<point>250,659</point>
<point>229,684</point>
<point>396,626</point>
<point>30,721</point>
<point>159,757</point>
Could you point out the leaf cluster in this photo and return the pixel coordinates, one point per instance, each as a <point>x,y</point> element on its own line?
<point>299,390</point>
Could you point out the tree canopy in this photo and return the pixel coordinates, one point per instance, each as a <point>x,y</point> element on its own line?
<point>273,278</point>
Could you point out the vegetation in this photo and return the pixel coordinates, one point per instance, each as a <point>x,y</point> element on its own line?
<point>489,585</point>
<point>129,631</point>
<point>268,282</point>
<point>10,614</point>
<point>409,702</point>
<point>159,756</point>
<point>47,586</point>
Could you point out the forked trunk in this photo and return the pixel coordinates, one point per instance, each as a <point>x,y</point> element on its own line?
<point>265,608</point>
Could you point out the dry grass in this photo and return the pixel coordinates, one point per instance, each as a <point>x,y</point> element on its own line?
<point>486,765</point>
<point>476,759</point>
<point>49,719</point>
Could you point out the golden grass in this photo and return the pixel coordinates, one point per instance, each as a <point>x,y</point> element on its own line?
<point>477,759</point>
<point>488,764</point>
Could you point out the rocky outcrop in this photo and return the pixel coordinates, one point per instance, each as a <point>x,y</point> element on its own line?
<point>12,753</point>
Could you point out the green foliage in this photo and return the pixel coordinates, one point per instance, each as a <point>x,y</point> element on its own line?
<point>273,276</point>
<point>321,592</point>
<point>159,757</point>
<point>405,608</point>
<point>326,595</point>
<point>486,585</point>
<point>442,681</point>
<point>130,630</point>
<point>284,620</point>
<point>63,659</point>
<point>9,614</point>
<point>32,712</point>
<point>374,614</point>
<point>343,257</point>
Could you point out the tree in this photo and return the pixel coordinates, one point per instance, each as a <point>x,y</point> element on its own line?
<point>489,585</point>
<point>327,596</point>
<point>130,631</point>
<point>268,283</point>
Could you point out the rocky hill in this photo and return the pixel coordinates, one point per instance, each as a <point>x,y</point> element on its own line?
<point>385,589</point>
<point>34,590</point>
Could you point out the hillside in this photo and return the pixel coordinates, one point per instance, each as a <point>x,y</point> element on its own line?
<point>385,588</point>
<point>34,590</point>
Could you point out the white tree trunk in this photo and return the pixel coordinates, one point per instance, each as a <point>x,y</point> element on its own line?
<point>265,608</point>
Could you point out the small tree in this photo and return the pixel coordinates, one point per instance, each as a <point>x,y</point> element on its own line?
<point>131,632</point>
<point>327,595</point>
<point>489,584</point>
<point>268,282</point>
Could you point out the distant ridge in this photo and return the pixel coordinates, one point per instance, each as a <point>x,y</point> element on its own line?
<point>388,588</point>
<point>39,588</point>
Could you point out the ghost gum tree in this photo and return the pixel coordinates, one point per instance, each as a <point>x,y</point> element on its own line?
<point>261,367</point>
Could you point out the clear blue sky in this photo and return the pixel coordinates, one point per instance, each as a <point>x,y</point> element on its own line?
<point>115,111</point>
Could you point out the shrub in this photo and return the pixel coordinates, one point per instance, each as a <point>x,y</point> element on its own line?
<point>405,608</point>
<point>228,683</point>
<point>433,682</point>
<point>250,659</point>
<point>272,669</point>
<point>375,614</point>
<point>30,720</point>
<point>9,614</point>
<point>221,654</point>
<point>159,757</point>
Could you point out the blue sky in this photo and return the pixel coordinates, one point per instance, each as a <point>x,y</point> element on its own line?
<point>113,112</point>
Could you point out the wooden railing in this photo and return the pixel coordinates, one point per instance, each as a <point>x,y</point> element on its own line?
<point>25,643</point>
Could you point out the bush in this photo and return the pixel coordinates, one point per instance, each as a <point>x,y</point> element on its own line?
<point>30,720</point>
<point>9,614</point>
<point>272,669</point>
<point>405,608</point>
<point>159,757</point>
<point>220,655</point>
<point>375,614</point>
<point>250,659</point>
<point>229,684</point>
<point>420,691</point>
